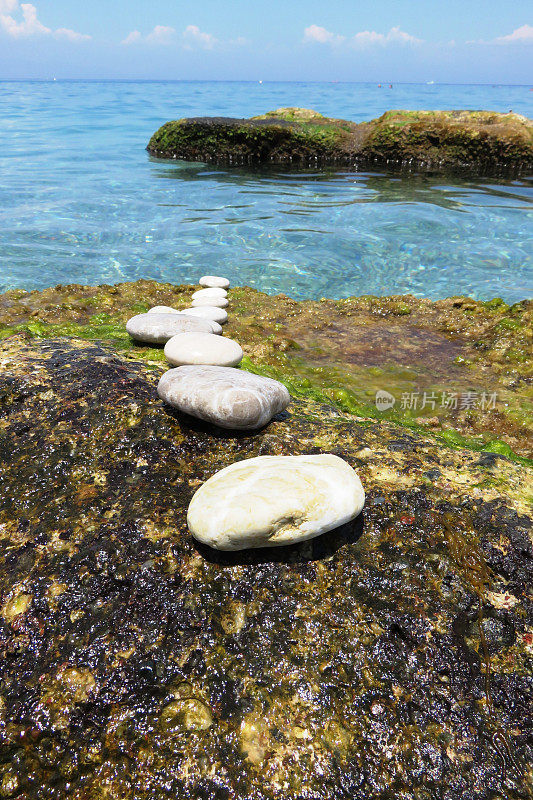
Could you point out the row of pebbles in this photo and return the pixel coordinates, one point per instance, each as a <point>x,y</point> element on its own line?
<point>258,502</point>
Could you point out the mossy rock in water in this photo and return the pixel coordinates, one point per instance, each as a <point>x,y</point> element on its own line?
<point>480,141</point>
<point>386,659</point>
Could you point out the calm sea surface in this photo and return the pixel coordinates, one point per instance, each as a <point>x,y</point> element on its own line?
<point>81,201</point>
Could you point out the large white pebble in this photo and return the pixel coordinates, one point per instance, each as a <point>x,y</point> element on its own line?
<point>207,312</point>
<point>203,348</point>
<point>159,328</point>
<point>230,398</point>
<point>162,310</point>
<point>219,302</point>
<point>214,292</point>
<point>214,281</point>
<point>274,500</point>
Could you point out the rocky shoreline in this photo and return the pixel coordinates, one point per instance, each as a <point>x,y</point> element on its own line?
<point>389,658</point>
<point>479,142</point>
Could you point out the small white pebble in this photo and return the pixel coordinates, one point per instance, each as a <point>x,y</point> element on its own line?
<point>207,312</point>
<point>220,302</point>
<point>213,292</point>
<point>214,281</point>
<point>203,348</point>
<point>162,310</point>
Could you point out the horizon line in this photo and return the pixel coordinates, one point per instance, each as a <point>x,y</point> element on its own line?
<point>254,81</point>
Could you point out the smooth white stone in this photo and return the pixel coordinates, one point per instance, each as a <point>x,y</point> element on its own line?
<point>159,328</point>
<point>162,310</point>
<point>214,281</point>
<point>274,500</point>
<point>214,292</point>
<point>207,312</point>
<point>219,302</point>
<point>203,348</point>
<point>230,398</point>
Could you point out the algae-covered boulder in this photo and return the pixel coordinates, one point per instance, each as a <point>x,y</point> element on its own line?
<point>386,659</point>
<point>480,141</point>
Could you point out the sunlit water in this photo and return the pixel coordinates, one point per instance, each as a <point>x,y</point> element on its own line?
<point>81,201</point>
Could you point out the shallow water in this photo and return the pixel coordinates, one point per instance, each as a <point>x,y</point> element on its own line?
<point>81,200</point>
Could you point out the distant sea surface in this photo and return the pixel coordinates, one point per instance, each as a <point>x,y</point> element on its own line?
<point>82,202</point>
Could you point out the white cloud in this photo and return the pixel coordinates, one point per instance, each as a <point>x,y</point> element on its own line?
<point>523,35</point>
<point>20,21</point>
<point>394,36</point>
<point>192,35</point>
<point>161,34</point>
<point>132,38</point>
<point>72,36</point>
<point>29,25</point>
<point>314,33</point>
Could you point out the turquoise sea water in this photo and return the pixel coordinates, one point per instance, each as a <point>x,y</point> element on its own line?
<point>81,201</point>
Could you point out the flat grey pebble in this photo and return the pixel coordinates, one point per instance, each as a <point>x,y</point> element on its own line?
<point>154,328</point>
<point>230,398</point>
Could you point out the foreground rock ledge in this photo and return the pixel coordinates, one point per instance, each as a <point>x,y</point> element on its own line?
<point>388,659</point>
<point>480,141</point>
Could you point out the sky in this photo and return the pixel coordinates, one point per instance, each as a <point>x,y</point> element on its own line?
<point>446,41</point>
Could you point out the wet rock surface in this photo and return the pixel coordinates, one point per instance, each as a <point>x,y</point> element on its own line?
<point>320,349</point>
<point>388,660</point>
<point>457,367</point>
<point>483,142</point>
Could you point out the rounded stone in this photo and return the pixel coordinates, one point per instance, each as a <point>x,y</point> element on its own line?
<point>162,310</point>
<point>213,292</point>
<point>229,398</point>
<point>153,328</point>
<point>214,281</point>
<point>207,312</point>
<point>274,500</point>
<point>219,302</point>
<point>203,348</point>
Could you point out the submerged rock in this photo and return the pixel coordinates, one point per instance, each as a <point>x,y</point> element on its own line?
<point>351,666</point>
<point>230,398</point>
<point>481,141</point>
<point>156,328</point>
<point>275,500</point>
<point>203,348</point>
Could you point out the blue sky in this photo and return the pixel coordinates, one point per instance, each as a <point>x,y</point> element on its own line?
<point>455,41</point>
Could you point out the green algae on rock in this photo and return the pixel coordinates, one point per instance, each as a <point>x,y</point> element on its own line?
<point>340,352</point>
<point>480,141</point>
<point>389,659</point>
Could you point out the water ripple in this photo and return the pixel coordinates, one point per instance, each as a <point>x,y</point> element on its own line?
<point>81,201</point>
